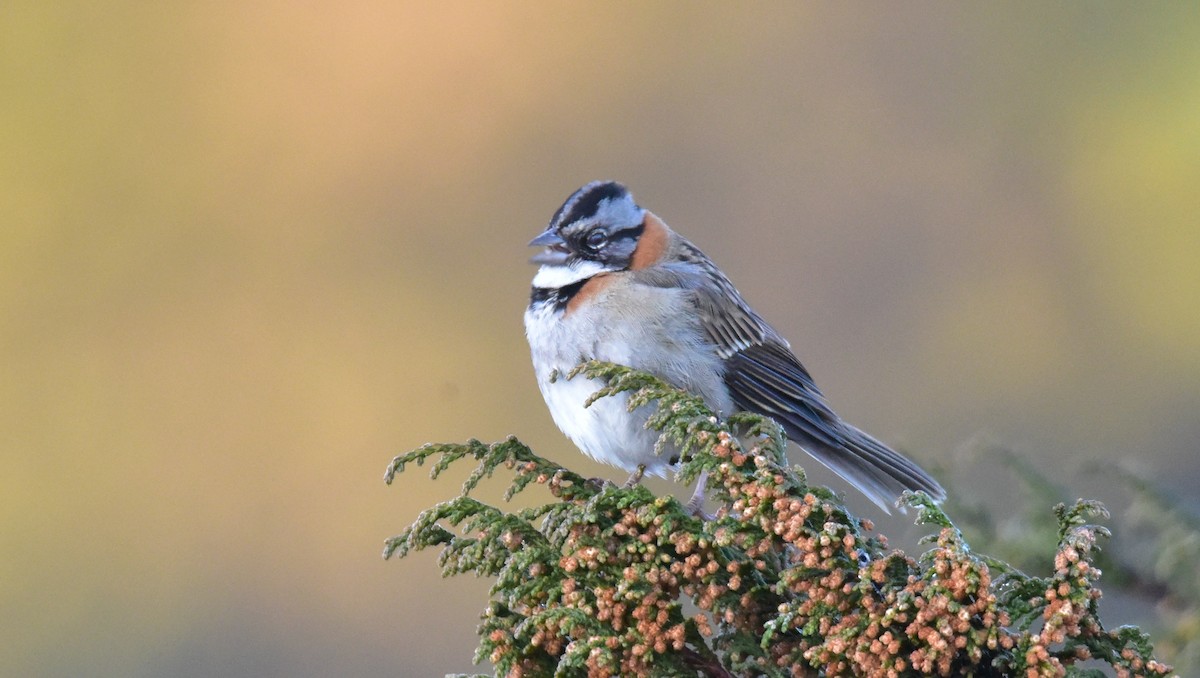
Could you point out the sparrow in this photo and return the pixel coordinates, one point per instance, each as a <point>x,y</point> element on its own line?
<point>616,284</point>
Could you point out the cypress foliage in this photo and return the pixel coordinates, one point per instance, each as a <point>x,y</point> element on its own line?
<point>782,581</point>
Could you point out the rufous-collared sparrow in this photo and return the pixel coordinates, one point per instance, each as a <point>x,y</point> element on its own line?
<point>616,284</point>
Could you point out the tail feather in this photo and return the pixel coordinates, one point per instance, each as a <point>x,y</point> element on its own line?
<point>768,379</point>
<point>876,470</point>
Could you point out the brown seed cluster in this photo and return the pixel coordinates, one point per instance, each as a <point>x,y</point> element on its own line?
<point>931,625</point>
<point>629,584</point>
<point>1069,614</point>
<point>785,580</point>
<point>784,560</point>
<point>640,610</point>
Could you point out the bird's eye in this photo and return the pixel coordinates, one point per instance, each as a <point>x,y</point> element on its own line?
<point>596,239</point>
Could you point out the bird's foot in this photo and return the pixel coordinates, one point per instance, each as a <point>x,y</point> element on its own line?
<point>599,484</point>
<point>636,477</point>
<point>695,505</point>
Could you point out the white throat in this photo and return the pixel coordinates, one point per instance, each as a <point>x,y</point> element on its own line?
<point>551,277</point>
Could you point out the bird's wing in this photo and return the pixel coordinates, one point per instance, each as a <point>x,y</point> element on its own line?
<point>767,379</point>
<point>761,372</point>
<point>764,376</point>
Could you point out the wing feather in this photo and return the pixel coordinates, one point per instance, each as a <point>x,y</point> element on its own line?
<point>764,376</point>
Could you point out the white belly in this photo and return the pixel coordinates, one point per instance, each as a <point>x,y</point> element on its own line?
<point>606,431</point>
<point>664,342</point>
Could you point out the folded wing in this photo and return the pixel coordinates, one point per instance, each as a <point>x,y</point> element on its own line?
<point>765,377</point>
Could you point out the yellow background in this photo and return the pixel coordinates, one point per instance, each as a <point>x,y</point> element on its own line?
<point>250,251</point>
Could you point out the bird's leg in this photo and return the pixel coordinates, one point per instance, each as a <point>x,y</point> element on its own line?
<point>695,505</point>
<point>598,484</point>
<point>636,477</point>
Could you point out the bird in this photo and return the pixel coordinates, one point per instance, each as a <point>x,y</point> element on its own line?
<point>616,284</point>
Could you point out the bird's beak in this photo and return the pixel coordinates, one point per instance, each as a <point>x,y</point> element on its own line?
<point>547,238</point>
<point>555,252</point>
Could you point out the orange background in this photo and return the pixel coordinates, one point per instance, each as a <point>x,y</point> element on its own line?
<point>249,252</point>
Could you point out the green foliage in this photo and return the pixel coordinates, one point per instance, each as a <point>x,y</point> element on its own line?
<point>1170,533</point>
<point>783,581</point>
<point>1152,556</point>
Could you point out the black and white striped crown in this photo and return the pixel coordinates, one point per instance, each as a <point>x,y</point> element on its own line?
<point>592,200</point>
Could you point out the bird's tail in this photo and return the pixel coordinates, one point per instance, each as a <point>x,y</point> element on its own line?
<point>877,470</point>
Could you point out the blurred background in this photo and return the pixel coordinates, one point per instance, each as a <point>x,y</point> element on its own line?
<point>251,251</point>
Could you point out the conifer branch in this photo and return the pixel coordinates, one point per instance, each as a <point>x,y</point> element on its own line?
<point>783,581</point>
